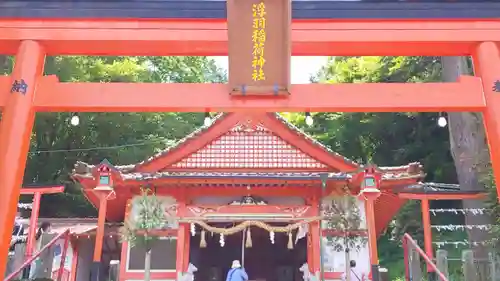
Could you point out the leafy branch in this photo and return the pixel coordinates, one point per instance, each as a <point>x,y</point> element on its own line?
<point>344,215</point>
<point>148,216</point>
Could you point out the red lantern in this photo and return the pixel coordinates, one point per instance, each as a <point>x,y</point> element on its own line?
<point>370,185</point>
<point>104,179</point>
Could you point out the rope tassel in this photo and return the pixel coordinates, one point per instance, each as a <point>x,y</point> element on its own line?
<point>248,242</point>
<point>203,241</point>
<point>290,243</point>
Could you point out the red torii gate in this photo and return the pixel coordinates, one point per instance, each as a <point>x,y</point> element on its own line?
<point>37,192</point>
<point>26,91</point>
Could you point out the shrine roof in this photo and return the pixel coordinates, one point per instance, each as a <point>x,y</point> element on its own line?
<point>241,150</point>
<point>236,145</point>
<point>216,9</point>
<point>216,120</point>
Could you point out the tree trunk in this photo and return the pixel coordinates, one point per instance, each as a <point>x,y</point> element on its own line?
<point>347,263</point>
<point>147,265</point>
<point>470,154</point>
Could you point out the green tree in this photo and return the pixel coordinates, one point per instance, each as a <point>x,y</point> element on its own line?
<point>494,211</point>
<point>399,138</point>
<point>470,154</point>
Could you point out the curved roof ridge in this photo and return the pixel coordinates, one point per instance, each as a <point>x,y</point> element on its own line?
<point>312,140</point>
<point>215,120</point>
<point>195,133</point>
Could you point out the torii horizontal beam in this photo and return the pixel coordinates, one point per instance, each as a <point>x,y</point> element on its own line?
<point>52,96</point>
<point>442,196</point>
<point>209,37</point>
<point>42,189</point>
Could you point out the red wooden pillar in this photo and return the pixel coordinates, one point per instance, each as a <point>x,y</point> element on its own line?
<point>182,253</point>
<point>182,256</point>
<point>372,235</point>
<point>314,250</point>
<point>187,244</point>
<point>187,232</point>
<point>99,237</point>
<point>310,254</point>
<point>64,252</point>
<point>16,126</point>
<point>33,224</point>
<point>74,260</point>
<point>315,247</point>
<point>486,60</point>
<point>426,221</point>
<point>124,258</point>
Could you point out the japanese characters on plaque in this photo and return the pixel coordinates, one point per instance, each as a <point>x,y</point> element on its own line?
<point>259,41</point>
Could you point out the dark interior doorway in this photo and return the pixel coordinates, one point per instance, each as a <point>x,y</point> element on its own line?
<point>264,261</point>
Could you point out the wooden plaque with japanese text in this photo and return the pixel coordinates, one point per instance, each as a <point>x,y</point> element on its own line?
<point>259,46</point>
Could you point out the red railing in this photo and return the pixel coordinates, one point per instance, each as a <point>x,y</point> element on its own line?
<point>409,242</point>
<point>65,235</point>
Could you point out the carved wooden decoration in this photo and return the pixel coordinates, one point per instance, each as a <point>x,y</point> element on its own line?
<point>248,200</point>
<point>249,211</point>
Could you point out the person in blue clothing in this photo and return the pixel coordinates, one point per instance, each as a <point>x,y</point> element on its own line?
<point>236,273</point>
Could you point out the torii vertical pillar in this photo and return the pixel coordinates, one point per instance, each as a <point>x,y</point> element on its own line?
<point>35,209</point>
<point>426,223</point>
<point>486,60</point>
<point>37,193</point>
<point>15,130</point>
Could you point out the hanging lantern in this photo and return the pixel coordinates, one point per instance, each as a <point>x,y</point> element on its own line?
<point>203,240</point>
<point>370,185</point>
<point>248,242</point>
<point>290,242</point>
<point>104,180</point>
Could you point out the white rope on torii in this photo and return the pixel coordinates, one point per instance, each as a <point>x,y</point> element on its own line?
<point>462,227</point>
<point>25,206</point>
<point>453,227</point>
<point>475,212</point>
<point>440,244</point>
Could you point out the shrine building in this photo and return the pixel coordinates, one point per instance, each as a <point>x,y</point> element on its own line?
<point>254,169</point>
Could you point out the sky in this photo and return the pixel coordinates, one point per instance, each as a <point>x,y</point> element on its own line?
<point>302,67</point>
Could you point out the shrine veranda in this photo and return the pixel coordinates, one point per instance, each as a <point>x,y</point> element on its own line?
<point>307,171</point>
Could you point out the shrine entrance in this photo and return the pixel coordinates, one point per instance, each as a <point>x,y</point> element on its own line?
<point>268,257</point>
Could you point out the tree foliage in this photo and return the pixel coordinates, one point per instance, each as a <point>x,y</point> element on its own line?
<point>123,138</point>
<point>149,216</point>
<point>388,139</point>
<point>494,210</point>
<point>343,215</point>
